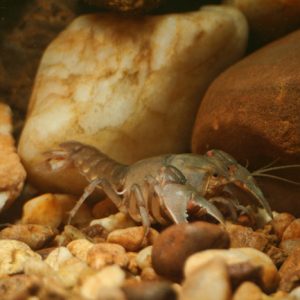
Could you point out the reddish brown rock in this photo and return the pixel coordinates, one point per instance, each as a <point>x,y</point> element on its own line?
<point>252,112</point>
<point>178,242</point>
<point>281,222</point>
<point>292,232</point>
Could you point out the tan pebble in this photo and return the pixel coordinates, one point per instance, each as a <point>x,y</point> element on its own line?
<point>149,274</point>
<point>38,267</point>
<point>13,256</point>
<point>113,222</point>
<point>248,291</point>
<point>143,258</point>
<point>70,271</point>
<point>295,293</point>
<point>56,257</point>
<point>80,248</point>
<point>132,263</point>
<point>132,238</point>
<point>208,282</point>
<point>35,236</point>
<point>103,254</point>
<point>280,222</point>
<point>53,209</point>
<point>104,208</point>
<point>95,232</point>
<point>292,232</point>
<point>289,246</point>
<point>290,272</point>
<point>12,173</point>
<point>241,236</point>
<point>270,276</point>
<point>69,234</point>
<point>109,277</point>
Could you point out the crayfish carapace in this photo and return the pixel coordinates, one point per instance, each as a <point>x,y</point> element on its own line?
<point>160,189</point>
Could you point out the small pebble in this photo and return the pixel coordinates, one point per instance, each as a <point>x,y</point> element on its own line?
<point>80,248</point>
<point>35,236</point>
<point>178,242</point>
<point>208,282</point>
<point>144,258</point>
<point>248,291</point>
<point>13,256</point>
<point>292,232</point>
<point>104,209</point>
<point>133,238</point>
<point>57,257</point>
<point>280,222</point>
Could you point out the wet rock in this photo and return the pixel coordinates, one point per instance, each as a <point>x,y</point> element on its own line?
<point>290,272</point>
<point>292,232</point>
<point>132,6</point>
<point>118,105</point>
<point>133,238</point>
<point>110,278</point>
<point>80,248</point>
<point>241,236</point>
<point>35,236</point>
<point>103,254</point>
<point>104,209</point>
<point>12,173</point>
<point>52,210</point>
<point>113,222</point>
<point>251,112</point>
<point>281,222</point>
<point>178,242</point>
<point>13,256</point>
<point>270,19</point>
<point>150,291</point>
<point>209,282</point>
<point>269,280</point>
<point>248,291</point>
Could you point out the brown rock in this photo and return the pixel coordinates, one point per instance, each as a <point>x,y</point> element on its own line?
<point>281,222</point>
<point>150,291</point>
<point>35,236</point>
<point>104,208</point>
<point>241,236</point>
<point>290,272</point>
<point>12,173</point>
<point>269,19</point>
<point>292,232</point>
<point>178,242</point>
<point>133,238</point>
<point>252,112</point>
<point>289,246</point>
<point>248,291</point>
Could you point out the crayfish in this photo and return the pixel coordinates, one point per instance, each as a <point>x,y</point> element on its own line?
<point>164,188</point>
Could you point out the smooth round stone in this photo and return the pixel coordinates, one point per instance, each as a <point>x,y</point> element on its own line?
<point>178,242</point>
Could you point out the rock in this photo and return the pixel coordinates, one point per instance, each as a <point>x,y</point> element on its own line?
<point>127,6</point>
<point>13,256</point>
<point>270,19</point>
<point>111,277</point>
<point>248,291</point>
<point>104,208</point>
<point>292,232</point>
<point>158,62</point>
<point>35,236</point>
<point>52,210</point>
<point>241,237</point>
<point>290,272</point>
<point>132,263</point>
<point>280,222</point>
<point>103,254</point>
<point>144,258</point>
<point>133,238</point>
<point>114,222</point>
<point>80,248</point>
<point>149,274</point>
<point>178,242</point>
<point>209,282</point>
<point>12,173</point>
<point>150,291</point>
<point>251,112</point>
<point>57,257</point>
<point>289,246</point>
<point>270,276</point>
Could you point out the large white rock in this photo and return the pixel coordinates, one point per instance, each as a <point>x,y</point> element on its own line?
<point>129,86</point>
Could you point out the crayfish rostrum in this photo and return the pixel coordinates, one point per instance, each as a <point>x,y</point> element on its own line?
<point>162,188</point>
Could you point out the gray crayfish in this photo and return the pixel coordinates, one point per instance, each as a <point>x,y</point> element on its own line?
<point>162,188</point>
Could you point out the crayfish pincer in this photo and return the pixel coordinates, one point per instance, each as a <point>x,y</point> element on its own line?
<point>160,189</point>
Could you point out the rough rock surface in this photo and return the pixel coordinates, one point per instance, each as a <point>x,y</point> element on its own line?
<point>269,19</point>
<point>12,173</point>
<point>252,112</point>
<point>156,70</point>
